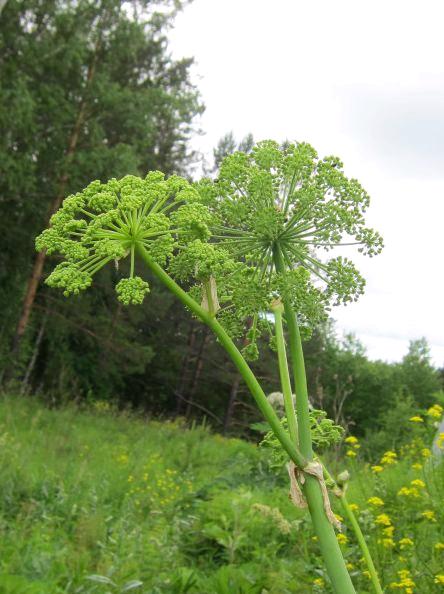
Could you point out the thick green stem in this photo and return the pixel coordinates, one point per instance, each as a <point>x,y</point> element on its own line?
<point>242,366</point>
<point>328,543</point>
<point>284,373</point>
<point>340,493</point>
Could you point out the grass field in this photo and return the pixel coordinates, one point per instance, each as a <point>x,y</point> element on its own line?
<point>95,501</point>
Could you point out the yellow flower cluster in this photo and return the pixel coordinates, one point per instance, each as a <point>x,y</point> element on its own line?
<point>405,582</point>
<point>417,419</point>
<point>405,543</point>
<point>429,514</point>
<point>439,579</point>
<point>342,539</point>
<point>352,441</point>
<point>319,582</point>
<point>377,468</point>
<point>435,411</point>
<point>383,520</point>
<point>375,501</point>
<point>439,546</point>
<point>389,458</point>
<point>440,441</point>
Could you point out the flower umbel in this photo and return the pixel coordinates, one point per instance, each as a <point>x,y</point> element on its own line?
<point>106,221</point>
<point>286,199</point>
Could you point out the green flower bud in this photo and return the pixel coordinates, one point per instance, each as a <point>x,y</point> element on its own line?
<point>132,290</point>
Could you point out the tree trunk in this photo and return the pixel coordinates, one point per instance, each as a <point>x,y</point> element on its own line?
<point>197,371</point>
<point>35,352</point>
<point>37,270</point>
<point>230,407</point>
<point>181,384</point>
<point>234,390</point>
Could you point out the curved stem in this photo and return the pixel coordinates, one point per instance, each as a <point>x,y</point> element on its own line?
<point>242,366</point>
<point>330,549</point>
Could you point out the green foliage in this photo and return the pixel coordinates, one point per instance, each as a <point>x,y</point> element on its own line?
<point>324,434</point>
<point>88,91</point>
<point>94,498</point>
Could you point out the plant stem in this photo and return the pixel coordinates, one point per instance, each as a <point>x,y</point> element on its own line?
<point>340,493</point>
<point>329,545</point>
<point>362,544</point>
<point>242,366</point>
<point>284,374</point>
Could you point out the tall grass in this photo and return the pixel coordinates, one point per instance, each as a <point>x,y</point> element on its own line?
<point>95,501</point>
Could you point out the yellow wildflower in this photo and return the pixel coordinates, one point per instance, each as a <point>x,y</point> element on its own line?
<point>429,514</point>
<point>339,518</point>
<point>435,411</point>
<point>408,492</point>
<point>377,469</point>
<point>352,440</point>
<point>354,507</point>
<point>417,466</point>
<point>376,501</point>
<point>366,574</point>
<point>342,539</point>
<point>418,483</point>
<point>351,453</point>
<point>439,579</point>
<point>349,566</point>
<point>426,453</point>
<point>383,520</point>
<point>405,542</point>
<point>388,543</point>
<point>439,546</point>
<point>388,531</point>
<point>416,419</point>
<point>389,458</point>
<point>319,582</point>
<point>406,583</point>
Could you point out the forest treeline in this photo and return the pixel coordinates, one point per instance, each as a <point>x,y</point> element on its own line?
<point>89,90</point>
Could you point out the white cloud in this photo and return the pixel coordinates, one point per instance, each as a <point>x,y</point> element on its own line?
<point>364,81</point>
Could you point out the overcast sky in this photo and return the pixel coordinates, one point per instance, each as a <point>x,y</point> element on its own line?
<point>363,81</point>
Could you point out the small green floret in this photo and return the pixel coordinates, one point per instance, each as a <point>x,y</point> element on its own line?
<point>132,291</point>
<point>70,278</point>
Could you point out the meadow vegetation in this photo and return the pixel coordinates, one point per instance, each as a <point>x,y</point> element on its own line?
<point>96,501</point>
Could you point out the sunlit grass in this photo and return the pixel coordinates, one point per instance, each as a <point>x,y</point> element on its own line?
<point>96,493</point>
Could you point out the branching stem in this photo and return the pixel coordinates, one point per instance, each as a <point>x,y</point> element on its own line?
<point>330,549</point>
<point>235,355</point>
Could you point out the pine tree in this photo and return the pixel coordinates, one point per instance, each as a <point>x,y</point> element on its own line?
<point>88,90</point>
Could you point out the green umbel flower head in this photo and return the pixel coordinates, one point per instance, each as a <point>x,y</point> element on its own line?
<point>287,201</point>
<point>106,221</point>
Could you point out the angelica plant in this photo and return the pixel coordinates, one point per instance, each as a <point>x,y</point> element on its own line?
<point>243,246</point>
<point>279,210</point>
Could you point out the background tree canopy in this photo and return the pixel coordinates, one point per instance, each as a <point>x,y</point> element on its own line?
<point>89,91</point>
